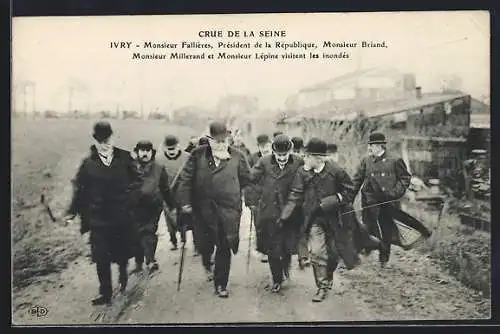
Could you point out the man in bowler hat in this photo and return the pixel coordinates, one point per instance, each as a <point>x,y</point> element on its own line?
<point>383,179</point>
<point>275,173</point>
<point>101,198</point>
<point>210,187</point>
<point>325,191</point>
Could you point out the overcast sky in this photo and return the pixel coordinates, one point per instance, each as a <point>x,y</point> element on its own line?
<point>53,51</point>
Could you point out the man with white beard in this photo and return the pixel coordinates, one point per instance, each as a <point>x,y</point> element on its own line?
<point>210,188</point>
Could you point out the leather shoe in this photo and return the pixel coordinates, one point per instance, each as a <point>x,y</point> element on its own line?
<point>101,300</point>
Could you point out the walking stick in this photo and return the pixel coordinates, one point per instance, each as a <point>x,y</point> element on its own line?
<point>250,239</point>
<point>183,249</point>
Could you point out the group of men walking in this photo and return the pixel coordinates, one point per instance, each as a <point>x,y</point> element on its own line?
<point>299,196</point>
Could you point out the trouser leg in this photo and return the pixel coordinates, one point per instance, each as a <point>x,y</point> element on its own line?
<point>104,276</point>
<point>150,241</point>
<point>222,260</point>
<point>385,221</point>
<point>319,255</point>
<point>302,250</point>
<point>123,274</point>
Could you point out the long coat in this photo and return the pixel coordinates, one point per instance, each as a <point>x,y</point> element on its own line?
<point>310,189</point>
<point>275,187</point>
<point>101,196</point>
<point>381,179</point>
<point>215,192</point>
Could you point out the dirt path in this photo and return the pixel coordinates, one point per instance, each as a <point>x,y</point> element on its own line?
<point>412,287</point>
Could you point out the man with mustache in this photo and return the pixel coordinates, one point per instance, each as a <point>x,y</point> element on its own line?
<point>210,187</point>
<point>325,191</point>
<point>151,192</point>
<point>102,200</point>
<point>276,172</point>
<point>253,192</point>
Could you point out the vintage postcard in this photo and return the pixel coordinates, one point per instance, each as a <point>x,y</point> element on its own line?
<point>257,168</point>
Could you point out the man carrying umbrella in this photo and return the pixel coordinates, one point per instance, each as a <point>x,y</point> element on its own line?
<point>383,179</point>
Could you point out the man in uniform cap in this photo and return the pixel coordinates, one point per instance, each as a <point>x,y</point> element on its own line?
<point>275,173</point>
<point>383,179</point>
<point>325,191</point>
<point>151,193</point>
<point>210,187</point>
<point>253,192</point>
<point>101,199</point>
<point>173,159</point>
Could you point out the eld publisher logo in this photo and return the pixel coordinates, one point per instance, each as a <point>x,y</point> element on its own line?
<point>38,311</point>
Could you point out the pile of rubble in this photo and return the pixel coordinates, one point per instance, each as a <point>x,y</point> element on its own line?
<point>478,174</point>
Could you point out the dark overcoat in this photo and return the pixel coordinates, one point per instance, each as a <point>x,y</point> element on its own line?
<point>214,192</point>
<point>151,191</point>
<point>275,187</point>
<point>101,197</point>
<point>383,181</point>
<point>310,189</point>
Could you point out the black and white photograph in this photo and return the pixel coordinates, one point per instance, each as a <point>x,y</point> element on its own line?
<point>250,168</point>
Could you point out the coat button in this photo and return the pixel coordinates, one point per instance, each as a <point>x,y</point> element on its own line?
<point>383,189</point>
<point>373,174</point>
<point>383,159</point>
<point>383,174</point>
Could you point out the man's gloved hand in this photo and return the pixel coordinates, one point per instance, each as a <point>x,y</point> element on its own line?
<point>329,203</point>
<point>279,222</point>
<point>252,207</point>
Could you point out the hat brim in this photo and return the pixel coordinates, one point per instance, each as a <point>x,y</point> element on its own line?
<point>377,142</point>
<point>221,136</point>
<point>318,154</point>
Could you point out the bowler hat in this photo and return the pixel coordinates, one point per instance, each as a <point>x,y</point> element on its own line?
<point>262,139</point>
<point>102,131</point>
<point>170,140</point>
<point>298,143</point>
<point>218,130</point>
<point>282,144</point>
<point>316,146</point>
<point>377,138</point>
<point>144,145</point>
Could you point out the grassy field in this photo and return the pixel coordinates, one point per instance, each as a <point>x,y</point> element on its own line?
<point>45,156</point>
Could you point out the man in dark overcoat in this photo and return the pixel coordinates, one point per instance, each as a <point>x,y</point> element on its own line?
<point>173,159</point>
<point>102,200</point>
<point>302,248</point>
<point>252,192</point>
<point>275,173</point>
<point>152,193</point>
<point>383,179</point>
<point>210,187</point>
<point>326,191</point>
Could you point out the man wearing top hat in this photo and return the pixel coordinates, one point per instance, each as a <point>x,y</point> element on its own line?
<point>101,198</point>
<point>325,191</point>
<point>210,187</point>
<point>275,173</point>
<point>173,159</point>
<point>151,192</point>
<point>253,192</point>
<point>383,179</point>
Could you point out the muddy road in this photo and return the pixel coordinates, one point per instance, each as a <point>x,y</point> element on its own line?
<point>410,288</point>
